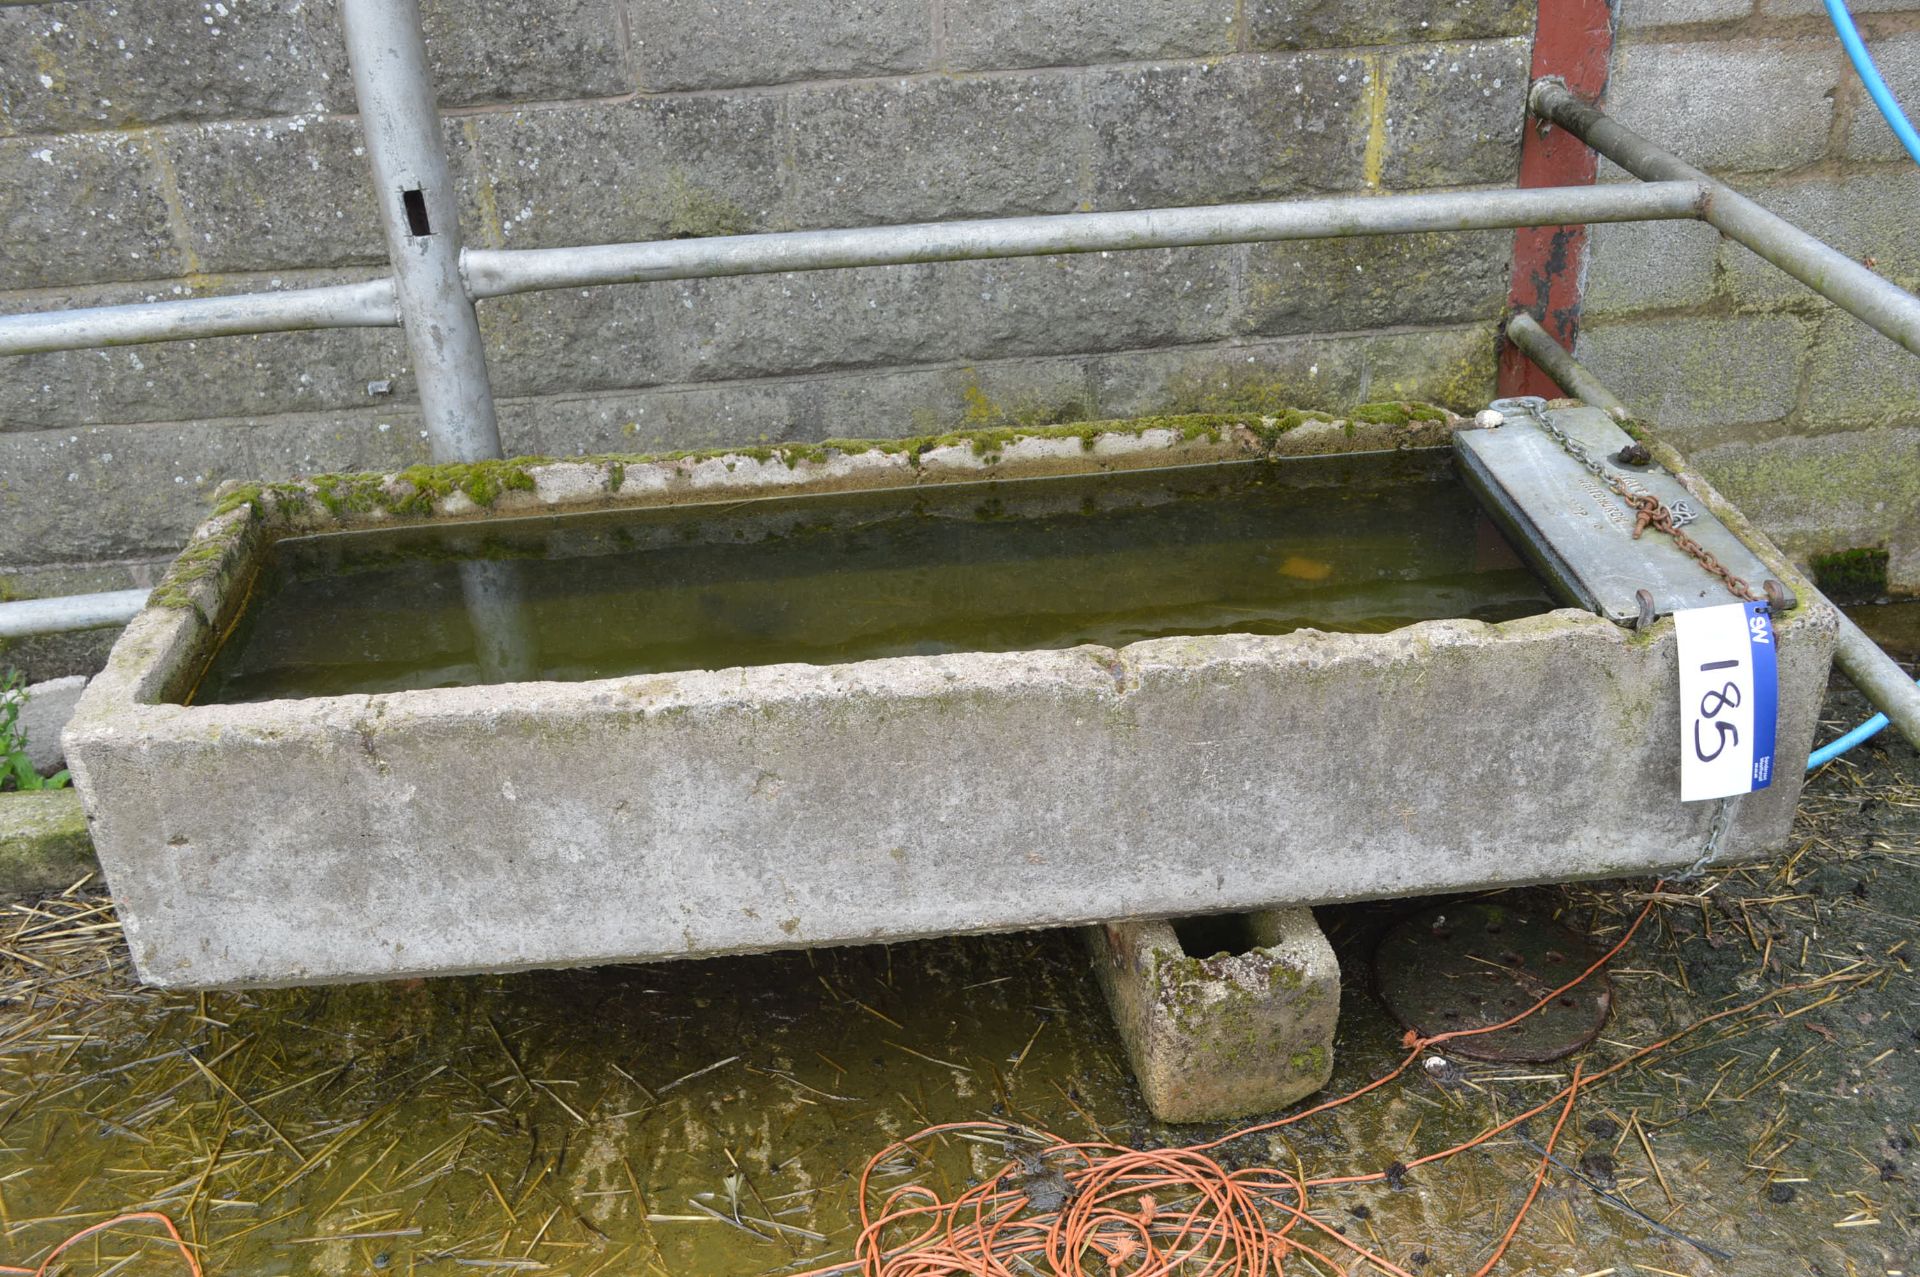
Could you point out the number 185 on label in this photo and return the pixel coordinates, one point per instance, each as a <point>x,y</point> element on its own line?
<point>1729,698</point>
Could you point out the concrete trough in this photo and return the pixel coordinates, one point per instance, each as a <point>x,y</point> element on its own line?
<point>541,824</point>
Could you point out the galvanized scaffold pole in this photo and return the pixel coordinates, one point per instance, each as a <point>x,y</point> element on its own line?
<point>414,191</point>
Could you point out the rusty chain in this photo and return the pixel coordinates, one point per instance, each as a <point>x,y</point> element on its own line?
<point>1651,512</point>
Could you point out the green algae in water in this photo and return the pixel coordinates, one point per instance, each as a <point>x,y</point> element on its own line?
<point>1361,544</point>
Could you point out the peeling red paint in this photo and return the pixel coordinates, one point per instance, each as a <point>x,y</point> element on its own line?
<point>1573,39</point>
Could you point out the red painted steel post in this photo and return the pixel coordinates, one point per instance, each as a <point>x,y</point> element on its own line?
<point>1573,39</point>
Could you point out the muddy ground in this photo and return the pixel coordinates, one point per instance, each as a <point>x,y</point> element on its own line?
<point>709,1117</point>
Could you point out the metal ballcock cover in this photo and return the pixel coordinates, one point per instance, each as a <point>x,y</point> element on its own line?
<point>1476,964</point>
<point>1559,499</point>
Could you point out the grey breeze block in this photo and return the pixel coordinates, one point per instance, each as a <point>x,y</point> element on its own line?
<point>1221,1035</point>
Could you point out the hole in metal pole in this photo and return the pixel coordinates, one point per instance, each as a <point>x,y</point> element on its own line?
<point>415,203</point>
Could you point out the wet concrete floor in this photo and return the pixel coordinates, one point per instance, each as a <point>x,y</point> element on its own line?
<point>710,1117</point>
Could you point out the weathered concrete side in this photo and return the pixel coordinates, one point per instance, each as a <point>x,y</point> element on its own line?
<point>44,845</point>
<point>1222,1035</point>
<point>783,806</point>
<point>790,805</point>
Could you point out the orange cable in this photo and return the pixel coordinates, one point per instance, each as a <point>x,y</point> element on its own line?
<point>186,1252</point>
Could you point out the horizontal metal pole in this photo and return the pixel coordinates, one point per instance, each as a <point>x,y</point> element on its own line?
<point>498,272</point>
<point>1885,307</point>
<point>1890,689</point>
<point>25,618</point>
<point>365,305</point>
<point>1567,372</point>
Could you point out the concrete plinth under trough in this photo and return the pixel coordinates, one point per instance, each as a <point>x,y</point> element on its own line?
<point>1223,1017</point>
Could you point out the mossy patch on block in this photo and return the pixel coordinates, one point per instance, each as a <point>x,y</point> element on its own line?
<point>1851,576</point>
<point>44,845</point>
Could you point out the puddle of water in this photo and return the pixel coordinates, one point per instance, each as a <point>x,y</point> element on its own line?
<point>1354,543</point>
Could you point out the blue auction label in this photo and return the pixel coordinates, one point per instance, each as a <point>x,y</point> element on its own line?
<point>1766,691</point>
<point>1729,699</point>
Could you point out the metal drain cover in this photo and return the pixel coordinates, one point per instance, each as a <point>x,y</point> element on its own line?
<point>1473,963</point>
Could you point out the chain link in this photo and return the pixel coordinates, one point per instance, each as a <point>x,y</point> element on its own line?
<point>1721,820</point>
<point>1650,512</point>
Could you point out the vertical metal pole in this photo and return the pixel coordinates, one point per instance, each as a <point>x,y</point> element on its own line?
<point>415,193</point>
<point>416,198</point>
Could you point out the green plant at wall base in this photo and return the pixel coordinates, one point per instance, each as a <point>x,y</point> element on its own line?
<point>16,769</point>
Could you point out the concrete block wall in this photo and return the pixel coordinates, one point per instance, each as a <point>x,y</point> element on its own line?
<point>199,148</point>
<point>1807,419</point>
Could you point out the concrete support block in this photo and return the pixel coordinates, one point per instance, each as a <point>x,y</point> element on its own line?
<point>44,845</point>
<point>1223,1017</point>
<point>44,716</point>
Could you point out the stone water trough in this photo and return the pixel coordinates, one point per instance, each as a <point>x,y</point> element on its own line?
<point>542,816</point>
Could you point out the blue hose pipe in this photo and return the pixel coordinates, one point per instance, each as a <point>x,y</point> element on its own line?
<point>1876,89</point>
<point>1834,748</point>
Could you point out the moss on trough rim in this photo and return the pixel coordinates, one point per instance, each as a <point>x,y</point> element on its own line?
<point>415,491</point>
